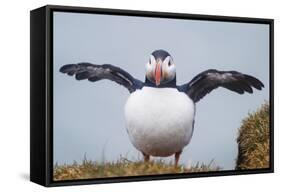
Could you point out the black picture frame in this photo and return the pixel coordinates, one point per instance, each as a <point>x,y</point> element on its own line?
<point>41,93</point>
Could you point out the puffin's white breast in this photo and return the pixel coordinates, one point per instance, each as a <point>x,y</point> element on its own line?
<point>159,120</point>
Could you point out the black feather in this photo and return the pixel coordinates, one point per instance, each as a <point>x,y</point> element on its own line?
<point>83,75</point>
<point>93,79</point>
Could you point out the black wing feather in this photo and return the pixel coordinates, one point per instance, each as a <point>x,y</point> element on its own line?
<point>94,72</point>
<point>205,82</point>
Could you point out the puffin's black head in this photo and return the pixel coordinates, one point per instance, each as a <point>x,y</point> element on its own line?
<point>160,69</point>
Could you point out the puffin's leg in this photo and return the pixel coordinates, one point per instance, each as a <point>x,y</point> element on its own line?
<point>177,158</point>
<point>145,157</point>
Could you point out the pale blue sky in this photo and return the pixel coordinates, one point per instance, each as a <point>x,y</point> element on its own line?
<point>89,117</point>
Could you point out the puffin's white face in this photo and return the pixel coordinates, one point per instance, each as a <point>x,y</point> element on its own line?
<point>159,70</point>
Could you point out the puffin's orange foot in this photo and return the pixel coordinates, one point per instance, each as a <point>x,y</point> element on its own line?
<point>145,157</point>
<point>177,158</point>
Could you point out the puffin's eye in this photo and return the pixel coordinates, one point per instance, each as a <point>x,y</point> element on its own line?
<point>169,64</point>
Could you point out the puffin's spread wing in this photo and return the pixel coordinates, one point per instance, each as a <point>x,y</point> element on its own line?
<point>94,72</point>
<point>205,82</point>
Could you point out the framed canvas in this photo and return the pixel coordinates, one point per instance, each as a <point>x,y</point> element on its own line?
<point>123,95</point>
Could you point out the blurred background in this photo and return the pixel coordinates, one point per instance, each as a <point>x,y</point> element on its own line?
<point>89,117</point>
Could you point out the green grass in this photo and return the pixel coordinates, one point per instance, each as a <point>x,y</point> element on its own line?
<point>123,167</point>
<point>254,140</point>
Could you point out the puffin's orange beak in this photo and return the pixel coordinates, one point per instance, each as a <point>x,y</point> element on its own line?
<point>158,73</point>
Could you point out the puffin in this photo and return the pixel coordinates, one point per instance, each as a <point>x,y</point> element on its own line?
<point>159,114</point>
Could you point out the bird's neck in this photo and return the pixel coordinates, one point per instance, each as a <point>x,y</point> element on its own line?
<point>171,84</point>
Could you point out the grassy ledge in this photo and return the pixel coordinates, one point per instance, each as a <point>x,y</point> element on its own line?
<point>123,167</point>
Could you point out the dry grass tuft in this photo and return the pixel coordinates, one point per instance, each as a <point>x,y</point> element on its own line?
<point>253,140</point>
<point>123,167</point>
